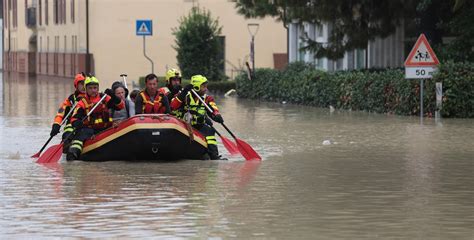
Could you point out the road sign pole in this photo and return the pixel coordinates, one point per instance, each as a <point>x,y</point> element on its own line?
<point>421,97</point>
<point>144,54</point>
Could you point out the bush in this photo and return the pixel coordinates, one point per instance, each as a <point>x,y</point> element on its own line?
<point>381,91</point>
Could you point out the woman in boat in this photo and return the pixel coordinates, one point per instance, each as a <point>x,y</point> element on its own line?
<point>198,113</point>
<point>150,100</point>
<point>121,92</point>
<point>97,121</point>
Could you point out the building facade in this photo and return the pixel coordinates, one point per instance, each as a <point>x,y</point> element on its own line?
<point>380,53</point>
<point>63,37</point>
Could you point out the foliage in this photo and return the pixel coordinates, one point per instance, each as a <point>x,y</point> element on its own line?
<point>354,23</point>
<point>458,88</point>
<point>198,45</point>
<point>381,91</point>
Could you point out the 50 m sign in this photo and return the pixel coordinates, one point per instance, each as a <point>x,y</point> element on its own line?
<point>419,72</point>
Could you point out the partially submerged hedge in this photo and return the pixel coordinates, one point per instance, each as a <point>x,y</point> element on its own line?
<point>381,91</point>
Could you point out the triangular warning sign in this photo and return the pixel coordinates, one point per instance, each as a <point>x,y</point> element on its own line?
<point>422,54</point>
<point>143,29</point>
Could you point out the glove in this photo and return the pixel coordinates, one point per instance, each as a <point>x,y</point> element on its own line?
<point>208,121</point>
<point>55,129</point>
<point>187,88</point>
<point>109,92</point>
<point>218,118</point>
<point>77,124</point>
<point>184,92</point>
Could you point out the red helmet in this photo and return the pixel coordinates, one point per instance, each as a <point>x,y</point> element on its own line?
<point>79,77</point>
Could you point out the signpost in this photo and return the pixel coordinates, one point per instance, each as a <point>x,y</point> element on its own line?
<point>421,63</point>
<point>145,28</point>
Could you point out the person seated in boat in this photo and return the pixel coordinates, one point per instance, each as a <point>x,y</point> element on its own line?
<point>196,112</point>
<point>173,88</point>
<point>150,100</point>
<point>64,109</point>
<point>173,84</point>
<point>97,121</point>
<point>121,92</point>
<point>133,95</point>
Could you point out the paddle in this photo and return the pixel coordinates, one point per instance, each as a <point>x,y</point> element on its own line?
<point>51,137</point>
<point>245,149</point>
<point>124,78</point>
<point>229,145</point>
<point>53,154</point>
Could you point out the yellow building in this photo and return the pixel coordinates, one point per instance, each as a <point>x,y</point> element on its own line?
<point>63,37</point>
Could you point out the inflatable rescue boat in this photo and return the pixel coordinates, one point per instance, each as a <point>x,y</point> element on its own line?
<point>146,137</point>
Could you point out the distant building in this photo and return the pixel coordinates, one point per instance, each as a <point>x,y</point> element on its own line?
<point>380,53</point>
<point>63,37</point>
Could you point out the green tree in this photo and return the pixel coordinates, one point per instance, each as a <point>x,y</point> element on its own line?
<point>354,23</point>
<point>198,45</point>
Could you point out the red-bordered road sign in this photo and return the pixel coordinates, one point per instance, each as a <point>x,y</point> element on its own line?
<point>422,55</point>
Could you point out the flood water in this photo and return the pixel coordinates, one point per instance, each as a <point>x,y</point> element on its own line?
<point>339,175</point>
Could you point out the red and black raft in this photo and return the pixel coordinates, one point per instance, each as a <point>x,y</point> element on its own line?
<point>146,137</point>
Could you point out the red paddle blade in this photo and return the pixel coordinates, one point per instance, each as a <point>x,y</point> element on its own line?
<point>230,146</point>
<point>52,154</point>
<point>247,151</point>
<point>36,155</point>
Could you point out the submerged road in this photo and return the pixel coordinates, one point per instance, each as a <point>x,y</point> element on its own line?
<point>339,175</point>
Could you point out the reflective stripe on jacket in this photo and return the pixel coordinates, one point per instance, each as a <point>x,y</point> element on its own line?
<point>150,106</point>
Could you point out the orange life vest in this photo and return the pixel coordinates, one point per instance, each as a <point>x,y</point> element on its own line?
<point>152,106</point>
<point>100,118</point>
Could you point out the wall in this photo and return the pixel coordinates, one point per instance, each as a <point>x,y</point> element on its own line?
<point>117,49</point>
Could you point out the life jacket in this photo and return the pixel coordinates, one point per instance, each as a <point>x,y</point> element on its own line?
<point>149,106</point>
<point>100,118</point>
<point>66,107</point>
<point>127,109</point>
<point>196,108</point>
<point>178,113</point>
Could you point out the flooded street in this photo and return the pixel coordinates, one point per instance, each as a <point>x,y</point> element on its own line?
<point>339,175</point>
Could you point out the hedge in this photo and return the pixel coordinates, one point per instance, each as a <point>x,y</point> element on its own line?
<point>380,91</point>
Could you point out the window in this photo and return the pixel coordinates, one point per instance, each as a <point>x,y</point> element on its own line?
<point>26,12</point>
<point>73,9</point>
<point>40,14</point>
<point>15,13</point>
<point>360,58</point>
<point>56,11</point>
<point>320,63</point>
<point>46,15</point>
<point>64,11</point>
<point>319,31</point>
<point>5,14</point>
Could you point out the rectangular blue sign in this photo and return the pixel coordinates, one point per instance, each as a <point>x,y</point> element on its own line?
<point>144,28</point>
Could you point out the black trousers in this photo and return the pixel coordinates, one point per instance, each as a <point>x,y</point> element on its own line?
<point>211,140</point>
<point>81,135</point>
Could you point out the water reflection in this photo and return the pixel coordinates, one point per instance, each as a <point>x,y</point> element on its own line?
<point>325,175</point>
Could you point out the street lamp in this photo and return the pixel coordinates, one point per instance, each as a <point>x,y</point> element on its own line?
<point>253,29</point>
